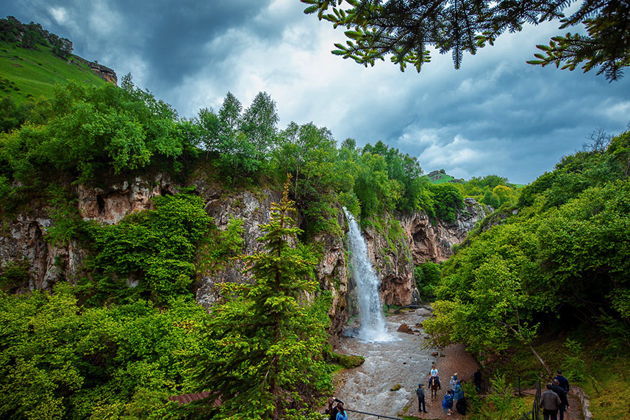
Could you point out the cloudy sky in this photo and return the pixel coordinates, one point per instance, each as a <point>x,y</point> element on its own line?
<point>496,115</point>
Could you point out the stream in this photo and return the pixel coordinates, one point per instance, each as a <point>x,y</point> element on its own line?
<point>403,360</point>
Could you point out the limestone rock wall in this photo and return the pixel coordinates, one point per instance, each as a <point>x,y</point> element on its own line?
<point>24,240</point>
<point>111,204</point>
<point>254,210</point>
<point>434,241</point>
<point>390,254</point>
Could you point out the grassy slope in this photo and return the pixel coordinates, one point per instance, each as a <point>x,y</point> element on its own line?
<point>442,179</point>
<point>29,74</point>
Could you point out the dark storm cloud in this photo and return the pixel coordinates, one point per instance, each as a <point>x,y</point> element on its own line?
<point>166,36</point>
<point>494,115</point>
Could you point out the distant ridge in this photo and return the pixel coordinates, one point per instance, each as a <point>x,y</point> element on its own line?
<point>440,176</point>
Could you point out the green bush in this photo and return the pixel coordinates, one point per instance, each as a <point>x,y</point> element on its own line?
<point>151,253</point>
<point>14,274</point>
<point>427,277</point>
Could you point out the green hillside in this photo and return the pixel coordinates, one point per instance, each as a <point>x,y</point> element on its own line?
<point>441,179</point>
<point>31,73</point>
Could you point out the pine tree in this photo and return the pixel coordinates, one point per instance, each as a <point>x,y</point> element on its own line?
<point>403,29</point>
<point>263,357</point>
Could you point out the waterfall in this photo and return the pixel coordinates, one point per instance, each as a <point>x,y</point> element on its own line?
<point>372,326</point>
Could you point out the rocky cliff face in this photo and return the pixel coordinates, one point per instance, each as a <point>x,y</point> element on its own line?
<point>434,241</point>
<point>399,245</point>
<point>390,254</point>
<point>24,240</point>
<point>254,209</point>
<point>25,237</point>
<point>104,72</point>
<point>394,246</point>
<point>118,200</point>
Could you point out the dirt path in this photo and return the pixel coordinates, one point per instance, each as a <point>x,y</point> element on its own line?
<point>455,360</point>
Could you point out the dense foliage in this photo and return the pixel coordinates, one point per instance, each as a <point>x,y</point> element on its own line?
<point>404,29</point>
<point>61,359</point>
<point>566,254</point>
<point>84,132</point>
<point>150,254</point>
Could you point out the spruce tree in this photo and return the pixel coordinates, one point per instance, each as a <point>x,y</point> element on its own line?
<point>263,353</point>
<point>404,28</point>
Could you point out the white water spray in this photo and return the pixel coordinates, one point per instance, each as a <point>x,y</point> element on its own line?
<point>370,309</point>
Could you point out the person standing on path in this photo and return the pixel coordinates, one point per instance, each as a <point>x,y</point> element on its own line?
<point>454,381</point>
<point>332,408</point>
<point>422,407</point>
<point>563,397</point>
<point>562,381</point>
<point>341,413</point>
<point>447,402</point>
<point>550,403</point>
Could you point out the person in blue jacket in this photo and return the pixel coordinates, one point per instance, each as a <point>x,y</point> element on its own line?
<point>447,402</point>
<point>341,413</point>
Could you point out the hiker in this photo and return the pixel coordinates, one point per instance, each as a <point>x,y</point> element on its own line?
<point>564,382</point>
<point>447,402</point>
<point>332,408</point>
<point>458,398</point>
<point>341,413</point>
<point>453,381</point>
<point>422,407</point>
<point>555,387</point>
<point>550,403</point>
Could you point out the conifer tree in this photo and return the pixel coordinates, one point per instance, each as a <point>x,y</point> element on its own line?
<point>404,28</point>
<point>263,353</point>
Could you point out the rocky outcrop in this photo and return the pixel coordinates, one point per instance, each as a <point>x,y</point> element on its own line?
<point>110,205</point>
<point>433,241</point>
<point>332,273</point>
<point>103,72</point>
<point>254,210</point>
<point>390,255</point>
<point>25,240</point>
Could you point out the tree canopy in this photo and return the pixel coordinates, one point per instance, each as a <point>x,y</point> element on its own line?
<point>404,29</point>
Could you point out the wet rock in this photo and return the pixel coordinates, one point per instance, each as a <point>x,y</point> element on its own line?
<point>404,328</point>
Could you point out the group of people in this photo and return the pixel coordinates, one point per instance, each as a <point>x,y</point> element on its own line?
<point>454,396</point>
<point>554,400</point>
<point>335,410</point>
